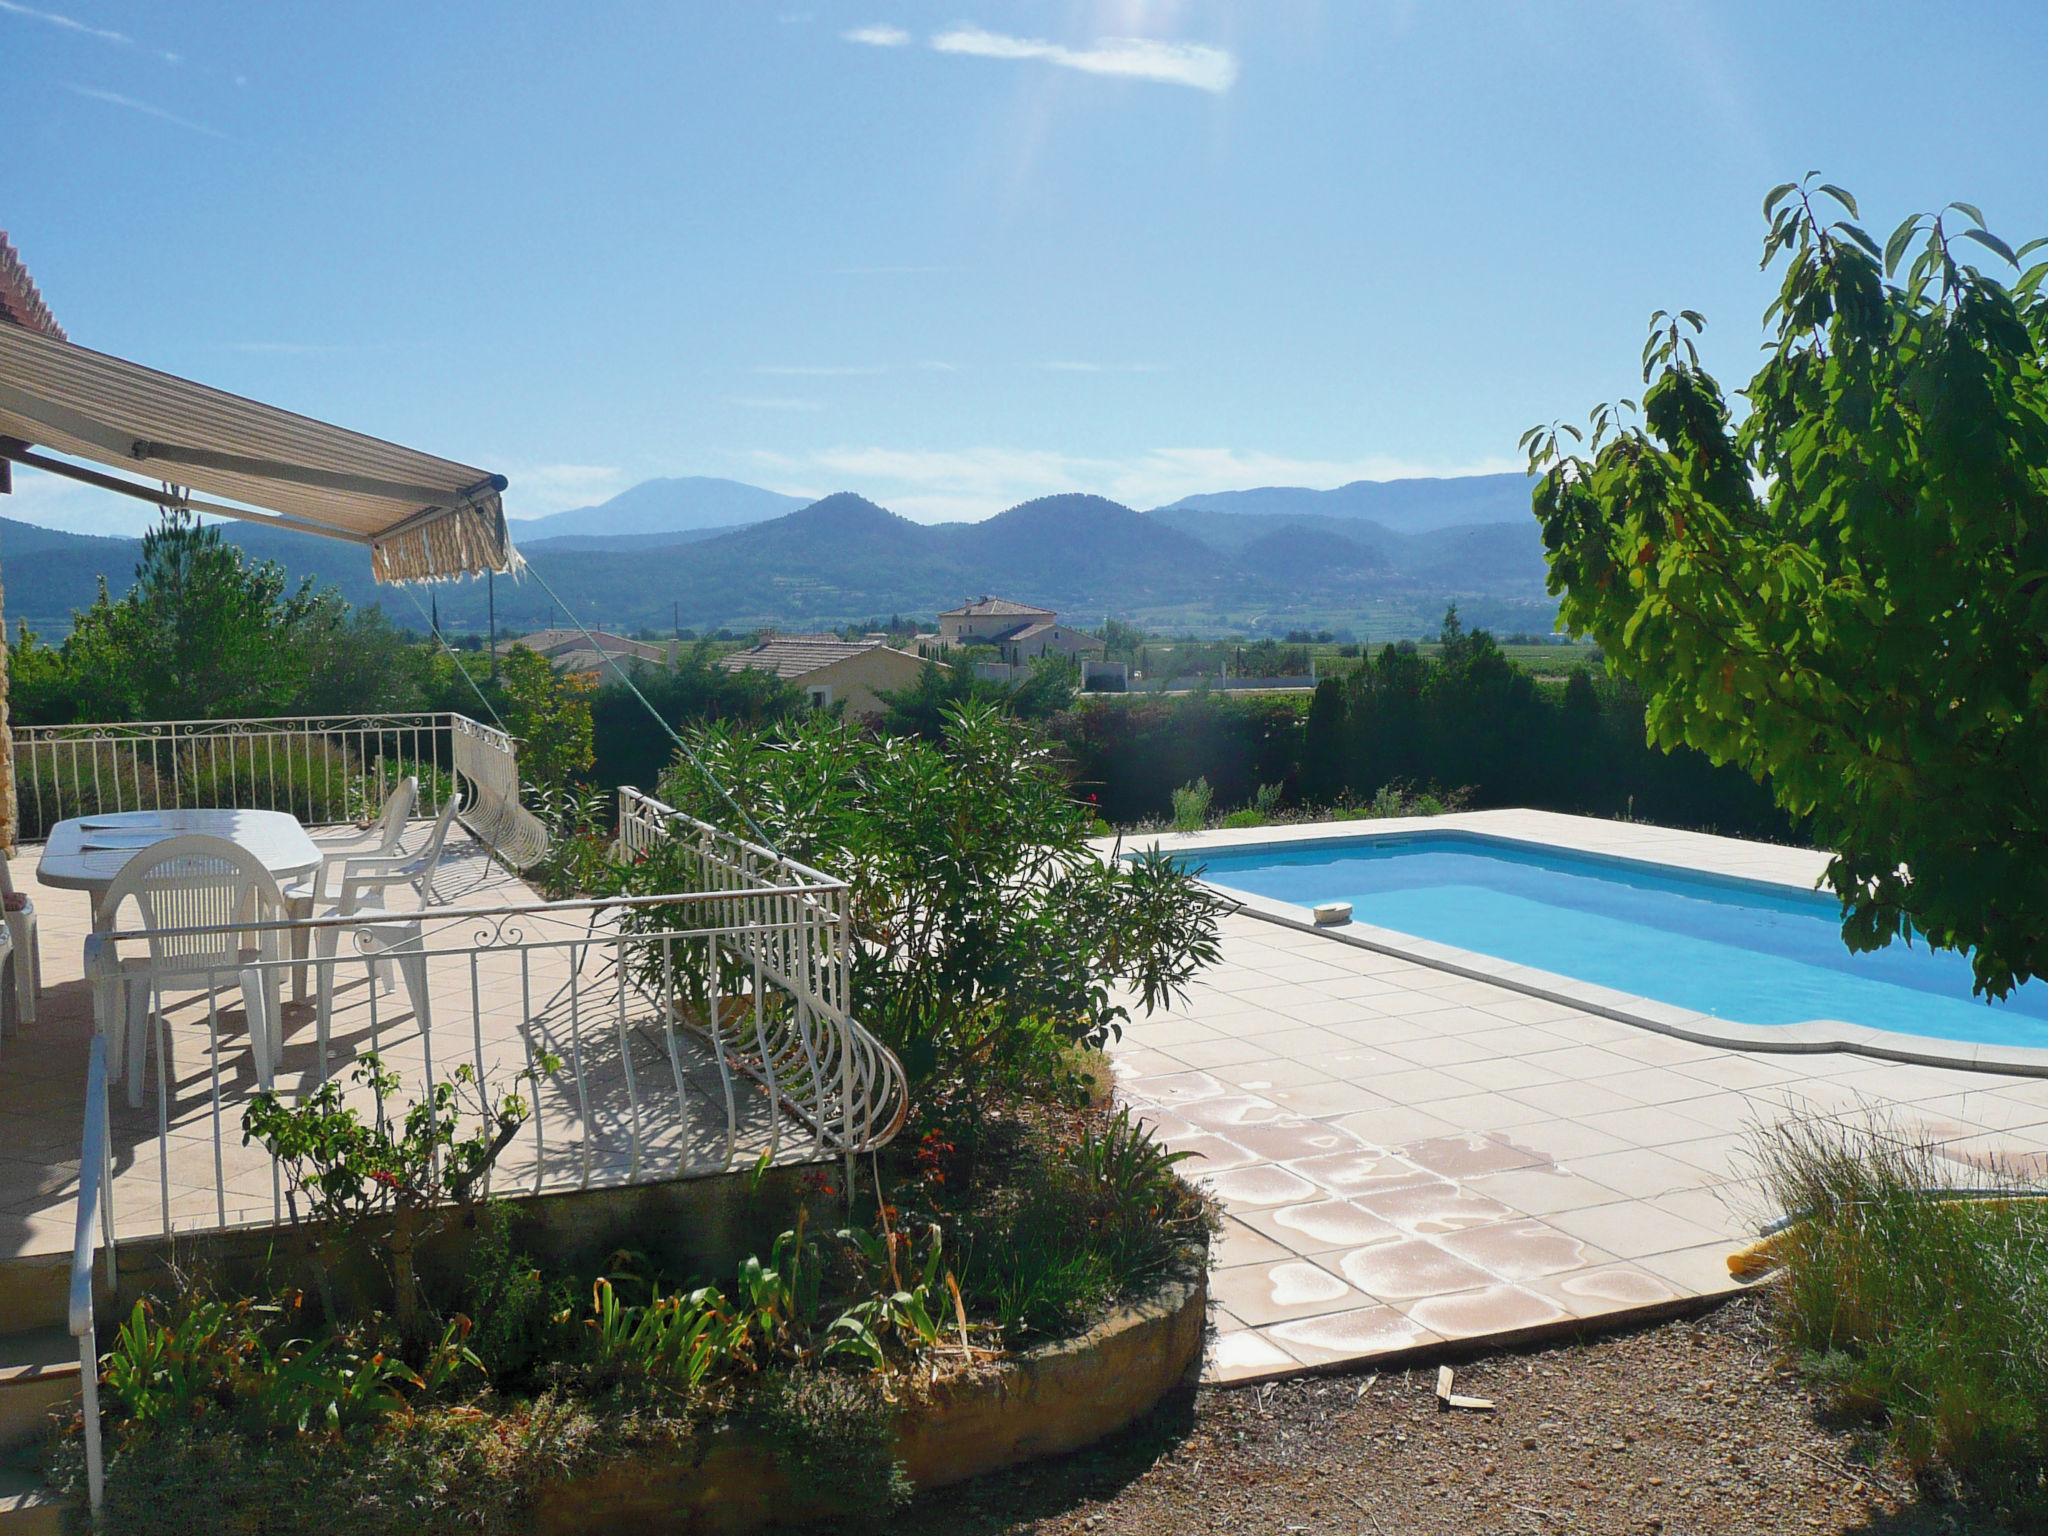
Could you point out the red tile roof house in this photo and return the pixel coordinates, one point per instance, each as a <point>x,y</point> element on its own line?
<point>830,669</point>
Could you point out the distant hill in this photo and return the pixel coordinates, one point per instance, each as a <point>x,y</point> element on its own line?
<point>1405,506</point>
<point>663,506</point>
<point>561,541</point>
<point>844,559</point>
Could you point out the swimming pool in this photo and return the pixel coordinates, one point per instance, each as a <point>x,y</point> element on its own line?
<point>1739,950</point>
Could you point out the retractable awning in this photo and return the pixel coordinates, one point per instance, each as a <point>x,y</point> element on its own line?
<point>422,517</point>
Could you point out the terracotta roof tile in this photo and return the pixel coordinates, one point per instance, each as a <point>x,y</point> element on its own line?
<point>20,301</point>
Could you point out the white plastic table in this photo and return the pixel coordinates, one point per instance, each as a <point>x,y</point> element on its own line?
<point>86,853</point>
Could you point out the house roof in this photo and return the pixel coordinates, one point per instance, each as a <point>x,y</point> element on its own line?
<point>550,642</point>
<point>986,607</point>
<point>1031,630</point>
<point>570,648</point>
<point>795,656</point>
<point>20,302</point>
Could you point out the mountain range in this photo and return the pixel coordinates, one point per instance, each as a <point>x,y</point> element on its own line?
<point>1377,558</point>
<point>653,509</point>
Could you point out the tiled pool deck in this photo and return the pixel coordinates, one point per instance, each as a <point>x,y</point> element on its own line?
<point>1407,1156</point>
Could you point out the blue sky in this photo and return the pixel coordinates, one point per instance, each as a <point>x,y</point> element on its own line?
<point>956,255</point>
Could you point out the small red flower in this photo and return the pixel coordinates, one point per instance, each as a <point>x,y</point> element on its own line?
<point>385,1177</point>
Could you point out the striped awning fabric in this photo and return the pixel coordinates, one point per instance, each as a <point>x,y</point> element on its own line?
<point>422,517</point>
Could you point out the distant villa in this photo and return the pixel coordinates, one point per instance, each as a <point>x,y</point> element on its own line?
<point>1019,632</point>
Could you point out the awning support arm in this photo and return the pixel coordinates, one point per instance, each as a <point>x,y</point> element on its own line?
<point>20,454</point>
<point>296,474</point>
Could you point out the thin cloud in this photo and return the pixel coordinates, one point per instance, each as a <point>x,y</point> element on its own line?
<point>1073,367</point>
<point>877,36</point>
<point>776,403</point>
<point>890,271</point>
<point>805,371</point>
<point>1199,65</point>
<point>142,106</point>
<point>82,29</point>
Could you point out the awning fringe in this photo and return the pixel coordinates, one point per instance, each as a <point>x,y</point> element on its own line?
<point>448,541</point>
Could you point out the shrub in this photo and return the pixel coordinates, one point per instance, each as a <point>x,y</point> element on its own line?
<point>1915,1303</point>
<point>387,1185</point>
<point>986,934</point>
<point>1102,1217</point>
<point>1191,806</point>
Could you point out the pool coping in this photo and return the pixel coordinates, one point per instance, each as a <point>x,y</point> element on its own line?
<point>1808,1038</point>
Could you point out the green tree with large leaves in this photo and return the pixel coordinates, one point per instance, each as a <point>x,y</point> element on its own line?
<point>1844,587</point>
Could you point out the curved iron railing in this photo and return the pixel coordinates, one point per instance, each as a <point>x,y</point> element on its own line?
<point>794,934</point>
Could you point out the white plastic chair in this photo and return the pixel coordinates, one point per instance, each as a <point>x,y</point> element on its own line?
<point>28,951</point>
<point>384,834</point>
<point>383,935</point>
<point>381,840</point>
<point>183,883</point>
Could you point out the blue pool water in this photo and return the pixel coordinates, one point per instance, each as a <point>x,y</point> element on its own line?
<point>1749,953</point>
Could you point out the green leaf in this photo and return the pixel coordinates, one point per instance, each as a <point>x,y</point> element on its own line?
<point>1843,198</point>
<point>1971,210</point>
<point>1895,247</point>
<point>1991,242</point>
<point>1777,194</point>
<point>1862,240</point>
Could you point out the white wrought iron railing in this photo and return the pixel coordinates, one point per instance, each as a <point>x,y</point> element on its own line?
<point>95,1227</point>
<point>698,1031</point>
<point>323,769</point>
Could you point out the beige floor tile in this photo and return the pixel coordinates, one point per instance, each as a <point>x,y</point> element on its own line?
<point>1701,1270</point>
<point>1419,1085</point>
<point>1272,1293</point>
<point>1430,1210</point>
<point>1610,1288</point>
<point>1493,1310</point>
<point>1395,1125</point>
<point>1633,1229</point>
<point>1521,1250</point>
<point>1572,1100</point>
<point>1245,1354</point>
<point>1482,1111</point>
<point>1354,1173</point>
<point>1268,1072</point>
<point>1641,1172</point>
<point>1259,1184</point>
<point>1227,1112</point>
<point>1499,1074</point>
<point>1323,1226</point>
<point>1543,1191</point>
<point>1408,1270</point>
<point>1357,1334</point>
<point>1330,1099</point>
<point>1212,1154</point>
<point>1284,1141</point>
<point>1237,1242</point>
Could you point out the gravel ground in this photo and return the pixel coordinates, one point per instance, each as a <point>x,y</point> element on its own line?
<point>1687,1426</point>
